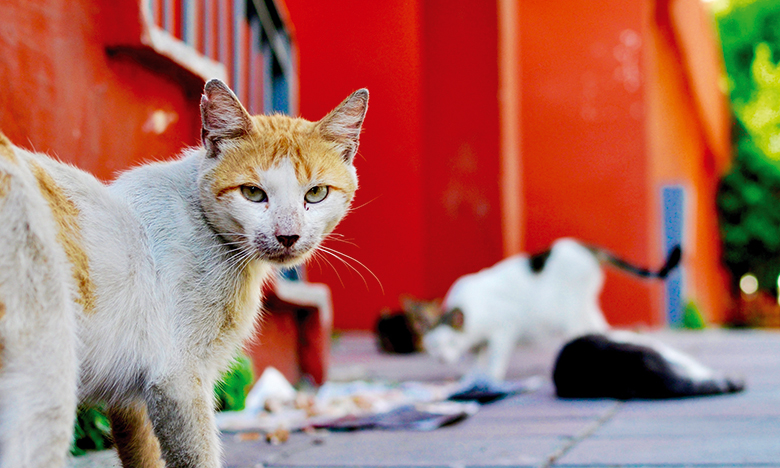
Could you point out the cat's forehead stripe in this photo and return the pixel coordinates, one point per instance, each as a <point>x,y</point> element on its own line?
<point>5,182</point>
<point>2,314</point>
<point>280,138</point>
<point>66,216</point>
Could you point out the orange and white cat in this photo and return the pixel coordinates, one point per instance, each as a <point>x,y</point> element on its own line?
<point>139,293</point>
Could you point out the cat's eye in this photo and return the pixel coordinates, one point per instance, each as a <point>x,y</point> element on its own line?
<point>316,194</point>
<point>253,194</point>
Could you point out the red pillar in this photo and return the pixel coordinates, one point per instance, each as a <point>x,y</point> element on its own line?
<point>343,46</point>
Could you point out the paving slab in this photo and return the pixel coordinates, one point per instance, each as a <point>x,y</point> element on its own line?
<point>622,426</point>
<point>102,459</point>
<point>376,448</point>
<point>540,430</point>
<point>665,450</point>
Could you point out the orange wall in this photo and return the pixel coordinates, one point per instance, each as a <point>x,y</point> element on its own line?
<point>618,100</point>
<point>65,95</point>
<point>585,169</point>
<point>689,121</point>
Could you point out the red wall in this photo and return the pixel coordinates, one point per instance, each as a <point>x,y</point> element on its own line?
<point>443,215</point>
<point>613,100</point>
<point>593,146</point>
<point>64,94</point>
<point>429,196</point>
<point>344,46</point>
<point>461,152</point>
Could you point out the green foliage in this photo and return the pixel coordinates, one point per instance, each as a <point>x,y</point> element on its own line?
<point>92,430</point>
<point>749,195</point>
<point>749,211</point>
<point>692,318</point>
<point>743,24</point>
<point>761,113</point>
<point>232,389</point>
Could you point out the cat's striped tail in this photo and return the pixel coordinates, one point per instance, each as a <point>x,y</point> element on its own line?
<point>672,261</point>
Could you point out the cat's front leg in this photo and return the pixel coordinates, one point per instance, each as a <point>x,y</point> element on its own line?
<point>498,352</point>
<point>182,413</point>
<point>134,437</point>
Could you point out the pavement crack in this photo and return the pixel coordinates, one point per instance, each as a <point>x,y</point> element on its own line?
<point>582,435</point>
<point>290,449</point>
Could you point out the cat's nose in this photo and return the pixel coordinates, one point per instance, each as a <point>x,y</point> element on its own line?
<point>287,241</point>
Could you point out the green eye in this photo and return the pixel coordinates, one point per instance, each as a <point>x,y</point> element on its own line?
<point>316,194</point>
<point>253,194</point>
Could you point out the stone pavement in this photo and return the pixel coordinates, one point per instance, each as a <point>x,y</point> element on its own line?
<point>539,430</point>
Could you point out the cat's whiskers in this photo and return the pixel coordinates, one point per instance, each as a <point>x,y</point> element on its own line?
<point>226,234</point>
<point>243,244</point>
<point>242,258</point>
<point>317,256</point>
<point>226,247</point>
<point>353,208</point>
<point>232,255</point>
<point>337,237</point>
<point>235,263</point>
<point>341,256</point>
<point>235,256</point>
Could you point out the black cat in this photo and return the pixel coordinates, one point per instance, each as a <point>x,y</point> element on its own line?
<point>396,334</point>
<point>624,365</point>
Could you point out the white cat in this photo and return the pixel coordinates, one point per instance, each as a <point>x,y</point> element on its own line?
<point>525,299</point>
<point>139,294</point>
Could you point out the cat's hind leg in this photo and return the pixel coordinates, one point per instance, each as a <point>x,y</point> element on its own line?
<point>134,436</point>
<point>38,355</point>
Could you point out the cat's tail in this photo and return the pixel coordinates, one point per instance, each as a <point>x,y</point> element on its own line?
<point>672,261</point>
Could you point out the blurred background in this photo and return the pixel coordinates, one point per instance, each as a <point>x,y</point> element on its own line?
<point>494,128</point>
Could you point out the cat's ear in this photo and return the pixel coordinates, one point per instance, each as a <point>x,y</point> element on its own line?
<point>222,115</point>
<point>455,319</point>
<point>343,123</point>
<point>409,303</point>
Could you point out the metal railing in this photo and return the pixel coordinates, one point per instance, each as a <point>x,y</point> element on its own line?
<point>249,37</point>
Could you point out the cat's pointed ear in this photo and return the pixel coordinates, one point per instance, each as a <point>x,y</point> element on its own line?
<point>343,123</point>
<point>222,115</point>
<point>455,319</point>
